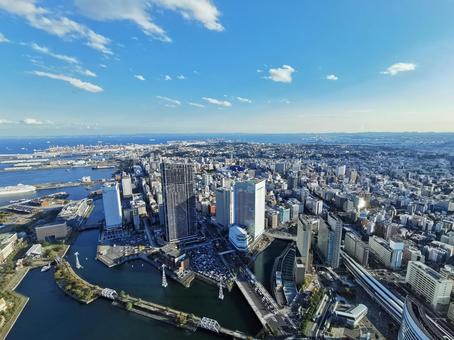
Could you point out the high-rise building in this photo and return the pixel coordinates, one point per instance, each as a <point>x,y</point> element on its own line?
<point>340,170</point>
<point>389,253</point>
<point>126,185</point>
<point>112,206</point>
<point>224,207</point>
<point>356,248</point>
<point>329,240</point>
<point>179,200</point>
<point>304,239</point>
<point>430,284</point>
<point>249,203</point>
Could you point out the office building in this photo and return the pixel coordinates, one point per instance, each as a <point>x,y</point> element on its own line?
<point>249,206</point>
<point>112,207</point>
<point>224,207</point>
<point>340,170</point>
<point>304,239</point>
<point>179,200</point>
<point>126,185</point>
<point>428,283</point>
<point>389,253</point>
<point>329,240</point>
<point>53,231</point>
<point>300,270</point>
<point>356,248</point>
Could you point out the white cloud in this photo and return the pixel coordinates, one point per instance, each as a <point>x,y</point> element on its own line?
<point>6,121</point>
<point>203,11</point>
<point>169,100</point>
<point>3,39</point>
<point>244,100</point>
<point>132,10</point>
<point>139,76</point>
<point>196,104</point>
<point>88,73</point>
<point>281,74</point>
<point>399,67</point>
<point>62,57</point>
<point>218,102</point>
<point>55,24</point>
<point>138,11</point>
<point>181,77</point>
<point>331,77</point>
<point>32,121</point>
<point>167,77</point>
<point>70,80</point>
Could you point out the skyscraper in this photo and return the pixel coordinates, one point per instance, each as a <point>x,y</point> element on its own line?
<point>179,200</point>
<point>224,207</point>
<point>126,185</point>
<point>112,206</point>
<point>249,203</point>
<point>304,238</point>
<point>329,240</point>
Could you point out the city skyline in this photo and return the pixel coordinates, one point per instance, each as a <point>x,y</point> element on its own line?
<point>200,66</point>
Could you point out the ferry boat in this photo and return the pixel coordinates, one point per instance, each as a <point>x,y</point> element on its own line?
<point>16,189</point>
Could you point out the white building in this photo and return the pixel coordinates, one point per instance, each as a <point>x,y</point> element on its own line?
<point>340,170</point>
<point>224,207</point>
<point>425,281</point>
<point>126,185</point>
<point>112,206</point>
<point>356,248</point>
<point>249,206</point>
<point>390,254</point>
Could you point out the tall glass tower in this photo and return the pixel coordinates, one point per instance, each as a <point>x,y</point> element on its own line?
<point>179,200</point>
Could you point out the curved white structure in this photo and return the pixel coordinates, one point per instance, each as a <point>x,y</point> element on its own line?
<point>239,237</point>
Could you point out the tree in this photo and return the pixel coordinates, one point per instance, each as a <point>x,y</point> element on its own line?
<point>128,305</point>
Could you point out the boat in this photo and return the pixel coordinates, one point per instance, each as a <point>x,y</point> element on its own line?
<point>46,267</point>
<point>16,189</point>
<point>106,166</point>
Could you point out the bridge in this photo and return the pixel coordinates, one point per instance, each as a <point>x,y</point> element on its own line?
<point>280,235</point>
<point>391,303</point>
<point>263,305</point>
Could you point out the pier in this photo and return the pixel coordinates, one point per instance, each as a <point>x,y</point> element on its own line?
<point>46,186</point>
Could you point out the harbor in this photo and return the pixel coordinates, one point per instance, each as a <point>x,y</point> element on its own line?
<point>137,278</point>
<point>66,276</point>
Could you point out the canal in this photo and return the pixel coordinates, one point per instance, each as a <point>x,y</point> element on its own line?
<point>50,314</point>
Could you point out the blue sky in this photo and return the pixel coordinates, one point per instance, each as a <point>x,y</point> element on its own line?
<point>145,66</point>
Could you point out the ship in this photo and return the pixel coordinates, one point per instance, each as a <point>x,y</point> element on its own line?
<point>103,166</point>
<point>16,189</point>
<point>46,267</point>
